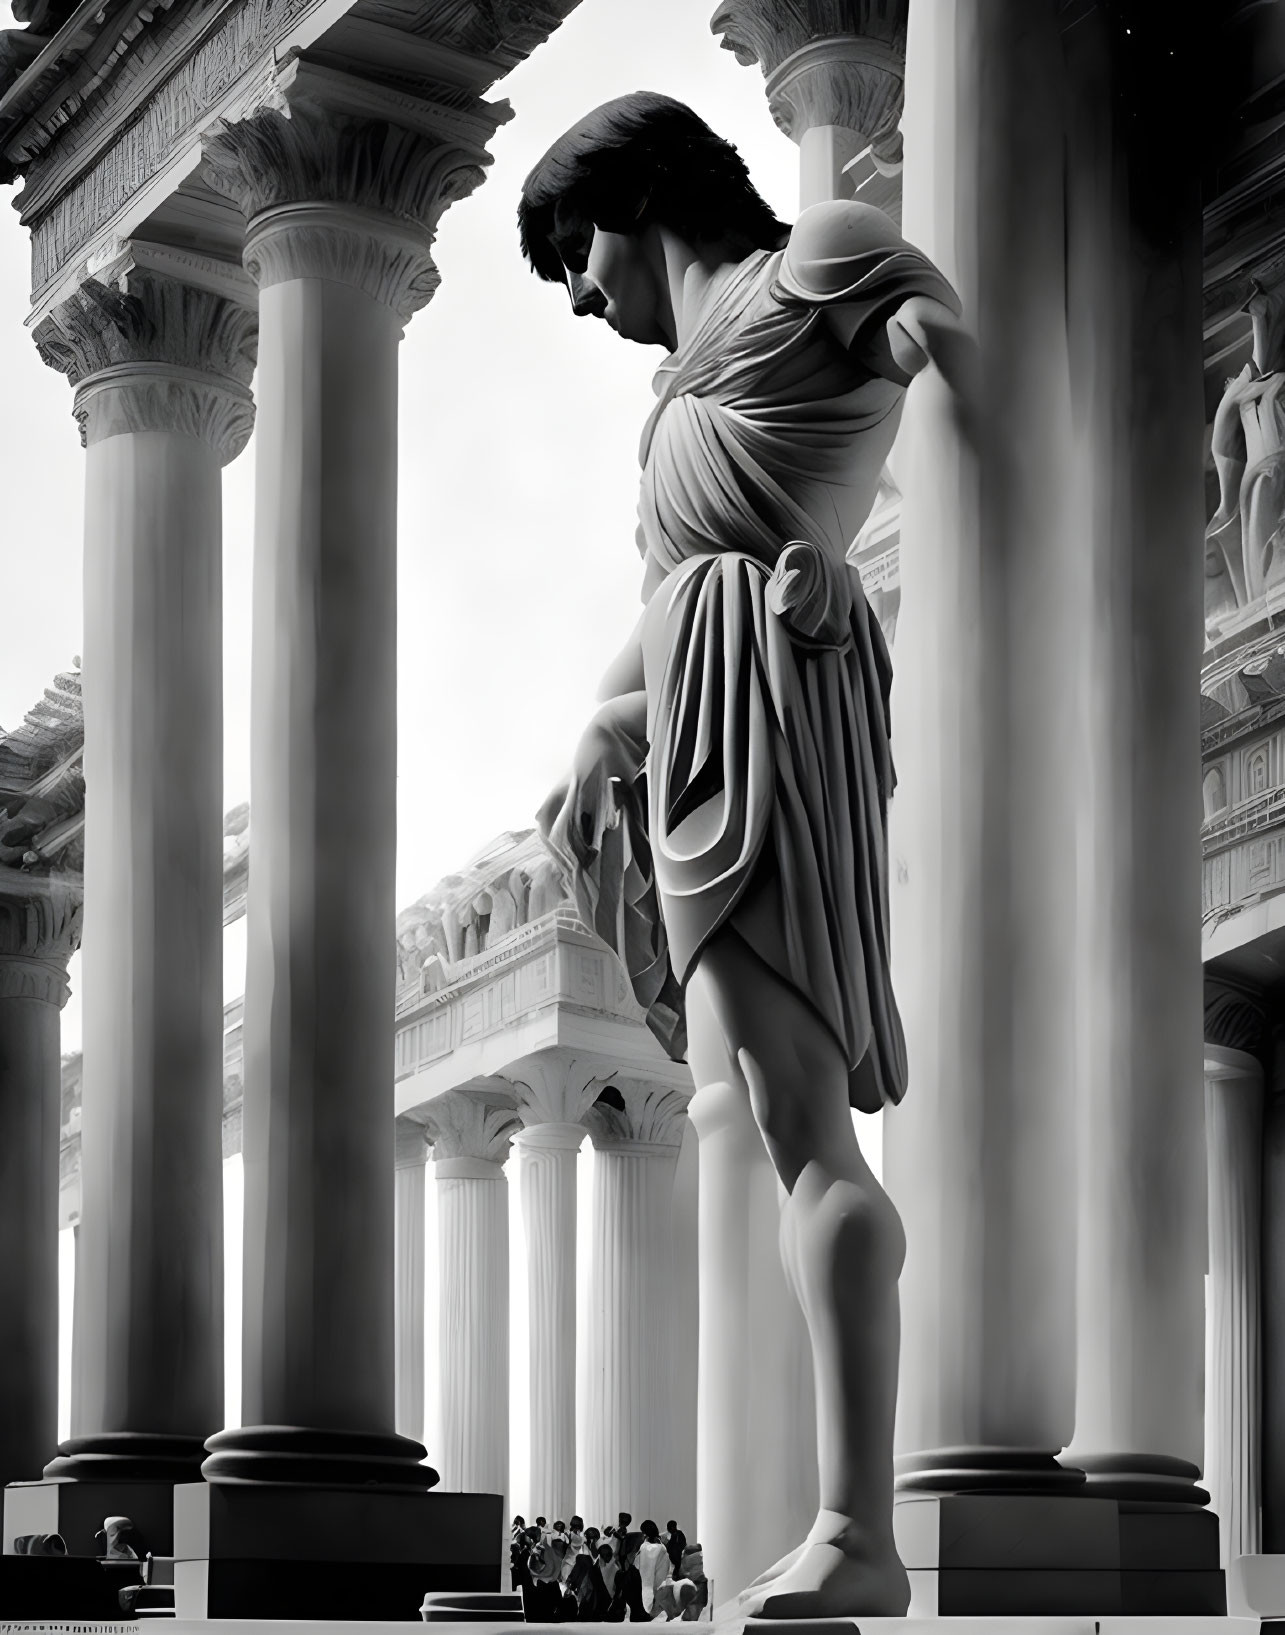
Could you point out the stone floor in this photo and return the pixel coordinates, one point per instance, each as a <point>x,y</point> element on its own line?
<point>1108,1625</point>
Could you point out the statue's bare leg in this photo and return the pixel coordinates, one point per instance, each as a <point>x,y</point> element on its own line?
<point>843,1246</point>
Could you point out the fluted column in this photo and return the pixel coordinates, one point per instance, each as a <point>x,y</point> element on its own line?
<point>756,1405</point>
<point>1134,317</point>
<point>161,368</point>
<point>978,1159</point>
<point>39,931</point>
<point>1233,1390</point>
<point>625,1459</point>
<point>408,1284</point>
<point>835,85</point>
<point>554,1091</point>
<point>548,1186</point>
<point>471,1129</point>
<point>341,192</point>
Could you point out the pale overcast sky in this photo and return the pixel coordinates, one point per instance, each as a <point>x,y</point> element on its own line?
<point>519,577</point>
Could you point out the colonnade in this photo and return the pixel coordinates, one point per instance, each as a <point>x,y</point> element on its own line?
<point>602,1402</point>
<point>341,185</point>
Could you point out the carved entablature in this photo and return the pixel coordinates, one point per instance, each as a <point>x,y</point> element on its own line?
<point>152,353</point>
<point>514,882</point>
<point>1243,788</point>
<point>42,784</point>
<point>826,62</point>
<point>99,158</point>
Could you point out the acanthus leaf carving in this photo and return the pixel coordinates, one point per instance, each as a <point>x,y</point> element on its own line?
<point>151,353</point>
<point>826,62</point>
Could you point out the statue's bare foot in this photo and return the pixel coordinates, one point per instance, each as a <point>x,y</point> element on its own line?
<point>826,1529</point>
<point>829,1581</point>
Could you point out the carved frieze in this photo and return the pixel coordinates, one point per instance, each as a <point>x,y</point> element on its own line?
<point>826,62</point>
<point>151,353</point>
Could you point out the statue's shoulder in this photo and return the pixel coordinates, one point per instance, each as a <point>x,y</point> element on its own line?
<point>845,251</point>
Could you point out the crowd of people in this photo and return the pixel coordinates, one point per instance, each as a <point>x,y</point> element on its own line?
<point>606,1575</point>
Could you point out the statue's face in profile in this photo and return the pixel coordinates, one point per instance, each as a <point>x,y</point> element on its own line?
<point>612,276</point>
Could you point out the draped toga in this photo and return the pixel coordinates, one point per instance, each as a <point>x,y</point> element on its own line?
<point>761,794</point>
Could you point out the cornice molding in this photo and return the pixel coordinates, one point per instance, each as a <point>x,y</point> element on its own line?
<point>825,63</point>
<point>151,353</point>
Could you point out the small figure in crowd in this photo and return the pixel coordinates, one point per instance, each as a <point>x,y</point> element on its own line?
<point>653,1563</point>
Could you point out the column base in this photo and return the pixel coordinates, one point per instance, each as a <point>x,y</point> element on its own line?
<point>985,1470</point>
<point>293,1453</point>
<point>77,1510</point>
<point>974,1554</point>
<point>127,1456</point>
<point>1151,1478</point>
<point>263,1550</point>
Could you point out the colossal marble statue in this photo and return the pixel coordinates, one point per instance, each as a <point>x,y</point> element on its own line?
<point>724,823</point>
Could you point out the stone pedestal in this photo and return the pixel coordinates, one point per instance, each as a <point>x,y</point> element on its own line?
<point>162,370</point>
<point>39,930</point>
<point>263,1551</point>
<point>408,1284</point>
<point>625,1453</point>
<point>1233,1388</point>
<point>756,1408</point>
<point>470,1129</point>
<point>978,1157</point>
<point>341,199</point>
<point>548,1186</point>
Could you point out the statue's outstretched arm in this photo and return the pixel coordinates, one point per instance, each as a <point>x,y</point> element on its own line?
<point>924,331</point>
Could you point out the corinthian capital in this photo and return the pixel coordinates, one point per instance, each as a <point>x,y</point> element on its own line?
<point>826,62</point>
<point>346,179</point>
<point>475,1122</point>
<point>150,352</point>
<point>632,1114</point>
<point>40,921</point>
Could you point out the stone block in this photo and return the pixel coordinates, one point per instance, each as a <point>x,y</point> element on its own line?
<point>77,1510</point>
<point>1167,1538</point>
<point>1177,1594</point>
<point>970,1531</point>
<point>271,1551</point>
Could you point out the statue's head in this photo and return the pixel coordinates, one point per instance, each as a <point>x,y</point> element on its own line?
<point>640,163</point>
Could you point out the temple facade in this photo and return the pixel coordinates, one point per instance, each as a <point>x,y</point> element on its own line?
<point>232,206</point>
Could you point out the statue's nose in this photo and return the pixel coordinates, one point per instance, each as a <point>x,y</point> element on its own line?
<point>587,300</point>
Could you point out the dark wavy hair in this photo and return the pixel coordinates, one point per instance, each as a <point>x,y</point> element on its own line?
<point>638,161</point>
